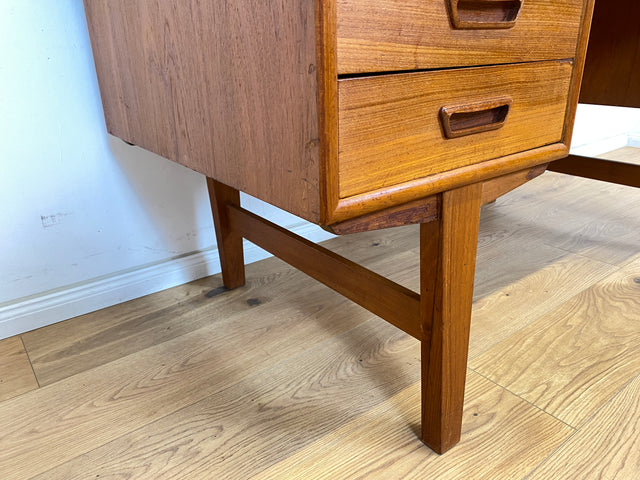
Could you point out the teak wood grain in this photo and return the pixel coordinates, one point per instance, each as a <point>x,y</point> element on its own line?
<point>385,35</point>
<point>228,89</point>
<point>390,130</point>
<point>385,198</point>
<point>496,187</point>
<point>341,386</point>
<point>599,169</point>
<point>447,268</point>
<point>248,96</point>
<point>229,242</point>
<point>396,304</point>
<point>254,97</point>
<point>419,211</point>
<point>612,68</point>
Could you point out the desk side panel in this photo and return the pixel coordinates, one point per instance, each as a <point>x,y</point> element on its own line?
<point>612,69</point>
<point>226,88</point>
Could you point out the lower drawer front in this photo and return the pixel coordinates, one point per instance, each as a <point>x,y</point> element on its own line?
<point>397,128</point>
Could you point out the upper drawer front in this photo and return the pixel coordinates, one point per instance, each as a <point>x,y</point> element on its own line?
<point>392,128</point>
<point>392,35</point>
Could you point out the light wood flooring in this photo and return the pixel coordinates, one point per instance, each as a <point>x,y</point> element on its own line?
<point>285,379</point>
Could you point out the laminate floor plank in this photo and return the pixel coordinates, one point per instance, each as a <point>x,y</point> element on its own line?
<point>572,360</point>
<point>79,344</point>
<point>285,379</point>
<point>16,374</point>
<point>587,217</point>
<point>265,418</point>
<point>503,437</point>
<point>56,423</point>
<point>504,310</point>
<point>601,227</point>
<point>608,446</point>
<point>624,154</point>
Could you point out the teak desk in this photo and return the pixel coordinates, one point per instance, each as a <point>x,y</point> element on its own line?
<point>355,115</point>
<point>611,77</point>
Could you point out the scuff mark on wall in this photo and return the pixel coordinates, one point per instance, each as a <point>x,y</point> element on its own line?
<point>51,220</point>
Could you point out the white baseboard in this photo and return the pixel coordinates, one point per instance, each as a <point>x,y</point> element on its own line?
<point>601,146</point>
<point>634,140</point>
<point>53,306</point>
<point>61,304</point>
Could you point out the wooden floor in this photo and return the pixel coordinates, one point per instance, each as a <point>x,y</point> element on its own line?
<point>285,379</point>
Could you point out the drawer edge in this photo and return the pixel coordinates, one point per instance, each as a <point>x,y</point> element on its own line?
<point>380,199</point>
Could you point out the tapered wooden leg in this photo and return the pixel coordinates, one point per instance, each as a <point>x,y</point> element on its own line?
<point>447,266</point>
<point>229,241</point>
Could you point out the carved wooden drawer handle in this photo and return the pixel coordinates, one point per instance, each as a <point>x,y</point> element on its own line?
<point>463,120</point>
<point>484,14</point>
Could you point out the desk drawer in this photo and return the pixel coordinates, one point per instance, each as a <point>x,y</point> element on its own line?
<point>392,127</point>
<point>388,35</point>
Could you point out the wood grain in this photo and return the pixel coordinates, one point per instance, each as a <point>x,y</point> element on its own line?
<point>247,95</point>
<point>228,242</point>
<point>570,225</point>
<point>447,268</point>
<point>76,345</point>
<point>538,275</point>
<point>526,436</point>
<point>395,303</point>
<point>160,380</point>
<point>499,186</point>
<point>385,35</point>
<point>275,413</point>
<point>380,199</point>
<point>598,169</point>
<point>420,211</point>
<point>571,360</point>
<point>608,446</point>
<point>227,89</point>
<point>16,375</point>
<point>612,70</point>
<point>393,120</point>
<point>578,68</point>
<point>326,48</point>
<point>243,367</point>
<point>67,348</point>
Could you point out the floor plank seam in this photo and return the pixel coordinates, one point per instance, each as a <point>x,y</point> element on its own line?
<point>33,370</point>
<point>218,392</point>
<point>582,255</point>
<point>630,260</point>
<point>576,430</point>
<point>547,311</point>
<point>555,450</point>
<point>523,399</point>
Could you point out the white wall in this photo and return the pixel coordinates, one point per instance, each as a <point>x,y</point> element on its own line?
<point>600,129</point>
<point>88,221</point>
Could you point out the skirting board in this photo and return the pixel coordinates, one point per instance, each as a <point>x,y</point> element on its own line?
<point>57,305</point>
<point>634,140</point>
<point>603,145</point>
<point>61,304</point>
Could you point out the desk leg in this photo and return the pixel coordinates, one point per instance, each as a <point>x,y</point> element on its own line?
<point>447,266</point>
<point>229,241</point>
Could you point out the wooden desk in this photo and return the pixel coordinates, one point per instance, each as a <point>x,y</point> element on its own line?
<point>355,115</point>
<point>611,77</point>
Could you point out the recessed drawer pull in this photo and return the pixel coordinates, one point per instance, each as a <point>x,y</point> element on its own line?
<point>462,120</point>
<point>484,14</point>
